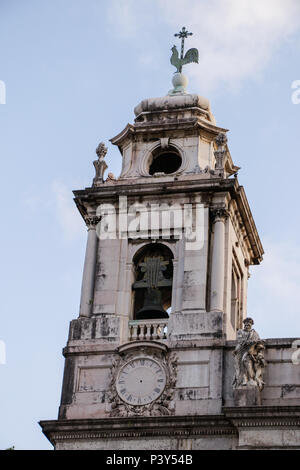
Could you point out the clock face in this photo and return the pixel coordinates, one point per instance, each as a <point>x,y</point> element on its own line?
<point>141,381</point>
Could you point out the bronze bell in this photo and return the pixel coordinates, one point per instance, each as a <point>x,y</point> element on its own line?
<point>152,283</point>
<point>152,306</point>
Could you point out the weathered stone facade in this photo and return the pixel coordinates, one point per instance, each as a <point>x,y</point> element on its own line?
<point>197,408</point>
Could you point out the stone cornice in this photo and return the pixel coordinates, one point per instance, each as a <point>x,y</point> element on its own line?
<point>183,185</point>
<point>250,226</point>
<point>144,186</point>
<point>195,124</point>
<point>263,416</point>
<point>227,423</point>
<point>97,347</point>
<point>109,428</point>
<point>269,342</point>
<point>129,129</point>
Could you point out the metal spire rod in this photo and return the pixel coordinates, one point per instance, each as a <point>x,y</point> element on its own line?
<point>183,34</point>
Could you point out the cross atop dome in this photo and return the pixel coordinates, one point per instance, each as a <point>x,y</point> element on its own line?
<point>183,34</point>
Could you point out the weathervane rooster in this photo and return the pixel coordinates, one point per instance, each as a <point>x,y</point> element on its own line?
<point>192,55</point>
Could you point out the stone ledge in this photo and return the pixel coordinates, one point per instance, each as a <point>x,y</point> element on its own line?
<point>270,342</point>
<point>263,416</point>
<point>230,423</point>
<point>176,426</point>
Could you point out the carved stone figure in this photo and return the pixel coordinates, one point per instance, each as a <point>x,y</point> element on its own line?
<point>249,358</point>
<point>110,177</point>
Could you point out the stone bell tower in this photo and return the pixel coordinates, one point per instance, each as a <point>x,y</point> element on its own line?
<point>164,288</point>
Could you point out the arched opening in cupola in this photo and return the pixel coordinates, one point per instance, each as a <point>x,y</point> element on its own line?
<point>165,161</point>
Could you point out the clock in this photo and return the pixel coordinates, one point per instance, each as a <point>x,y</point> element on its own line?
<point>141,381</point>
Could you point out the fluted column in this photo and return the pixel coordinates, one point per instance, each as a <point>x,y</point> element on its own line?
<point>88,278</point>
<point>218,261</point>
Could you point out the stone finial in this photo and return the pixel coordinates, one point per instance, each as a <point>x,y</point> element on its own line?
<point>100,165</point>
<point>101,151</point>
<point>220,154</point>
<point>221,141</point>
<point>249,359</point>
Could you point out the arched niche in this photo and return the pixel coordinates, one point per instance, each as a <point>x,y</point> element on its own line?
<point>152,286</point>
<point>166,161</point>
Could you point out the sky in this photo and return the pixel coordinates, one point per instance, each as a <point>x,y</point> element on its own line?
<point>72,71</point>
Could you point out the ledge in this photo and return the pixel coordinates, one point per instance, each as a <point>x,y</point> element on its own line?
<point>227,423</point>
<point>136,427</point>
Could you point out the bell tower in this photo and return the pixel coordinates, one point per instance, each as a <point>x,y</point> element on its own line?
<point>164,287</point>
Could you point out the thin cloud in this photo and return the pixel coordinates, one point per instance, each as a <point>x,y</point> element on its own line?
<point>236,38</point>
<point>274,294</point>
<point>66,211</point>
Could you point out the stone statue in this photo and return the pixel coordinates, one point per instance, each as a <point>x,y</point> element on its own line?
<point>249,358</point>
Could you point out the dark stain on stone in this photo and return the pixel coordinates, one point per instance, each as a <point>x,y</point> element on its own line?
<point>100,281</point>
<point>217,321</point>
<point>104,328</point>
<point>190,394</point>
<point>286,389</point>
<point>217,334</point>
<point>62,414</point>
<point>77,329</point>
<point>68,381</point>
<point>94,324</point>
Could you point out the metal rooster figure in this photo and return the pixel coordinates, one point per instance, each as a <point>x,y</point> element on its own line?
<point>192,55</point>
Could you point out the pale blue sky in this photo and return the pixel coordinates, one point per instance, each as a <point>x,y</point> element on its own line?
<point>74,70</point>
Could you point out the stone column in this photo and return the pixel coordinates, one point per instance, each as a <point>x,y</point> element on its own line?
<point>218,261</point>
<point>88,278</point>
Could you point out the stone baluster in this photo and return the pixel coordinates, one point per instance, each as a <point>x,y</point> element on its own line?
<point>144,330</point>
<point>157,331</point>
<point>148,331</point>
<point>135,332</point>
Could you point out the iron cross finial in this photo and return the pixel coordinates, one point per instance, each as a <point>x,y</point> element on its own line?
<point>183,34</point>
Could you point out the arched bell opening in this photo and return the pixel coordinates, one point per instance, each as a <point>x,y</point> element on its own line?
<point>152,287</point>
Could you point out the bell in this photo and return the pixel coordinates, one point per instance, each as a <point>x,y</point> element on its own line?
<point>152,308</point>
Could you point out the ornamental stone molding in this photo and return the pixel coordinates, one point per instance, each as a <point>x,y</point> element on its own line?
<point>92,221</point>
<point>162,406</point>
<point>143,166</point>
<point>219,214</point>
<point>230,422</point>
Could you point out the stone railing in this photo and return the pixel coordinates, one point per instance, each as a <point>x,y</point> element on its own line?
<point>155,330</point>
